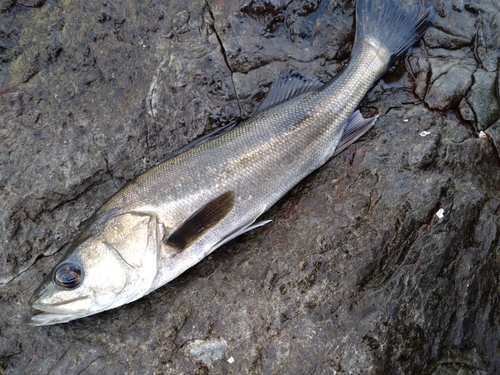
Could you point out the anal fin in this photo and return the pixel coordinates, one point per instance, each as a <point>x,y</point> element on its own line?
<point>356,126</point>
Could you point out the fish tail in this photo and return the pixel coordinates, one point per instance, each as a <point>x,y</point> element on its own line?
<point>392,25</point>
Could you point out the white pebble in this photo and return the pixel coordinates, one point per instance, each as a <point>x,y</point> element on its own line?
<point>483,136</point>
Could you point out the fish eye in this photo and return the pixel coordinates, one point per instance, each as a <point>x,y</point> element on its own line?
<point>68,275</point>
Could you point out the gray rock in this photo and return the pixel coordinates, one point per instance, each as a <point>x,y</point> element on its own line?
<point>449,83</point>
<point>448,77</point>
<point>6,4</point>
<point>466,111</point>
<point>498,84</point>
<point>493,133</point>
<point>456,25</point>
<point>435,38</point>
<point>207,351</point>
<point>488,31</point>
<point>384,261</point>
<point>422,154</point>
<point>482,100</point>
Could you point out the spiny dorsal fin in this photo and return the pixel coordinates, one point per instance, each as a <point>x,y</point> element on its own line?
<point>356,126</point>
<point>201,221</point>
<point>289,84</point>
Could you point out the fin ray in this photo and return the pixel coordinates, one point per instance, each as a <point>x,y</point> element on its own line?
<point>356,126</point>
<point>239,232</point>
<point>395,26</point>
<point>289,84</point>
<point>201,221</point>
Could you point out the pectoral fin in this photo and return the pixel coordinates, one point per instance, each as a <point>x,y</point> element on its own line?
<point>201,221</point>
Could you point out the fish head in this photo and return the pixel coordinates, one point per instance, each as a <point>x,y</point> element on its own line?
<point>113,262</point>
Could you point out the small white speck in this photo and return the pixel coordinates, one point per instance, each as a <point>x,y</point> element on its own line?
<point>424,133</point>
<point>230,360</point>
<point>440,213</point>
<point>406,120</point>
<point>483,136</point>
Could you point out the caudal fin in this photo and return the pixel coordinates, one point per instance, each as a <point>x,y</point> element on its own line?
<point>390,24</point>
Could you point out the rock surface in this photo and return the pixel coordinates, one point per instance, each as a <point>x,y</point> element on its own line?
<point>385,260</point>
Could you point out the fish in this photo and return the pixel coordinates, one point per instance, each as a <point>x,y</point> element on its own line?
<point>178,212</point>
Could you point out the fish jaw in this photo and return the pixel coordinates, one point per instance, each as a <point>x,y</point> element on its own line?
<point>60,313</point>
<point>46,319</point>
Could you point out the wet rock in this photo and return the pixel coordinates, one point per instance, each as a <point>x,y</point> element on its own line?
<point>446,34</point>
<point>498,84</point>
<point>6,4</point>
<point>384,261</point>
<point>207,351</point>
<point>447,78</point>
<point>466,111</point>
<point>437,38</point>
<point>450,81</point>
<point>481,101</point>
<point>423,154</point>
<point>493,133</point>
<point>488,31</point>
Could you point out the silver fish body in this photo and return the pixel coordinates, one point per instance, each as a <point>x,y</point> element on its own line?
<point>178,212</point>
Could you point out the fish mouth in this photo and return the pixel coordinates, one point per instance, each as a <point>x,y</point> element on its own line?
<point>60,312</point>
<point>47,318</point>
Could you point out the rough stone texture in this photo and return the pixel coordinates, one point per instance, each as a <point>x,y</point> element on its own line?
<point>206,351</point>
<point>355,274</point>
<point>450,80</point>
<point>488,34</point>
<point>493,133</point>
<point>481,102</point>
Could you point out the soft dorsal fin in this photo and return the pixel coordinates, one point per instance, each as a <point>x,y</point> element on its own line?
<point>289,84</point>
<point>201,221</point>
<point>356,126</point>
